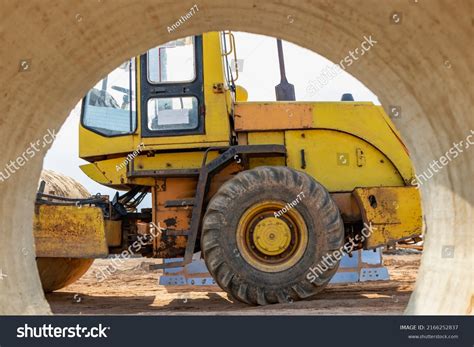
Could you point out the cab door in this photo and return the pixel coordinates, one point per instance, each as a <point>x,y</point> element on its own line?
<point>172,99</point>
<point>179,104</point>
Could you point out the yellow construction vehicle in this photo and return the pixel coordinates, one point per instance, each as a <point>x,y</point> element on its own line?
<point>267,191</point>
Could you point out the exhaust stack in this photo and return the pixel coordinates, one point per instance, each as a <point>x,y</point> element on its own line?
<point>284,91</point>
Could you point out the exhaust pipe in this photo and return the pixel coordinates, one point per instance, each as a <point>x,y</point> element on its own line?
<point>284,91</point>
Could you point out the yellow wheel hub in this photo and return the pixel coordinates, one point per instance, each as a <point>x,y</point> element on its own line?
<point>272,236</point>
<point>268,243</point>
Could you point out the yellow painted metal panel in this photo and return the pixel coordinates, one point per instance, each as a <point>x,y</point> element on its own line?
<point>331,158</point>
<point>92,144</point>
<point>69,231</point>
<point>94,172</point>
<point>266,138</point>
<point>369,122</point>
<point>361,119</point>
<point>113,172</point>
<point>393,212</point>
<point>167,161</point>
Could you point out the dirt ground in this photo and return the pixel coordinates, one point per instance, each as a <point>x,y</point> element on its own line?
<point>134,290</point>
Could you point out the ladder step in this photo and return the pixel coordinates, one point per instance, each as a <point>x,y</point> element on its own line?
<point>179,203</point>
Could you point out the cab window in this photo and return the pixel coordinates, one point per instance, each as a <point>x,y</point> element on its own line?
<point>173,62</point>
<point>173,113</point>
<point>109,107</point>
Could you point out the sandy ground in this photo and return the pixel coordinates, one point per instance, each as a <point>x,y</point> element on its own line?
<point>135,290</point>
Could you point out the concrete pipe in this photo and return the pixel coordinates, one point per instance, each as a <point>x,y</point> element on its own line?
<point>53,51</point>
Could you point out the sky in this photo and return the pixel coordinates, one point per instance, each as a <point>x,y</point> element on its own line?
<point>259,74</point>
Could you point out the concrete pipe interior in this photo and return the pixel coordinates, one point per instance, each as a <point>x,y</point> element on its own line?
<point>53,51</point>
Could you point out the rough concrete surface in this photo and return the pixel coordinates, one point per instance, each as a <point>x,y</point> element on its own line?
<point>53,51</point>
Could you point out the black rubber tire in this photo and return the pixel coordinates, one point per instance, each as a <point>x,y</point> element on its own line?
<point>218,241</point>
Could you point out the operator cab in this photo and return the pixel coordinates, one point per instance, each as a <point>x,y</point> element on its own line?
<point>159,99</point>
<point>171,97</point>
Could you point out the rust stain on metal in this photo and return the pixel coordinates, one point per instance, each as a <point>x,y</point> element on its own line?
<point>255,116</point>
<point>394,212</point>
<point>175,218</point>
<point>171,222</point>
<point>348,207</point>
<point>171,247</point>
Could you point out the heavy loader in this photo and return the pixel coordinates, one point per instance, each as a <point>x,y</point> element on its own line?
<point>267,191</point>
